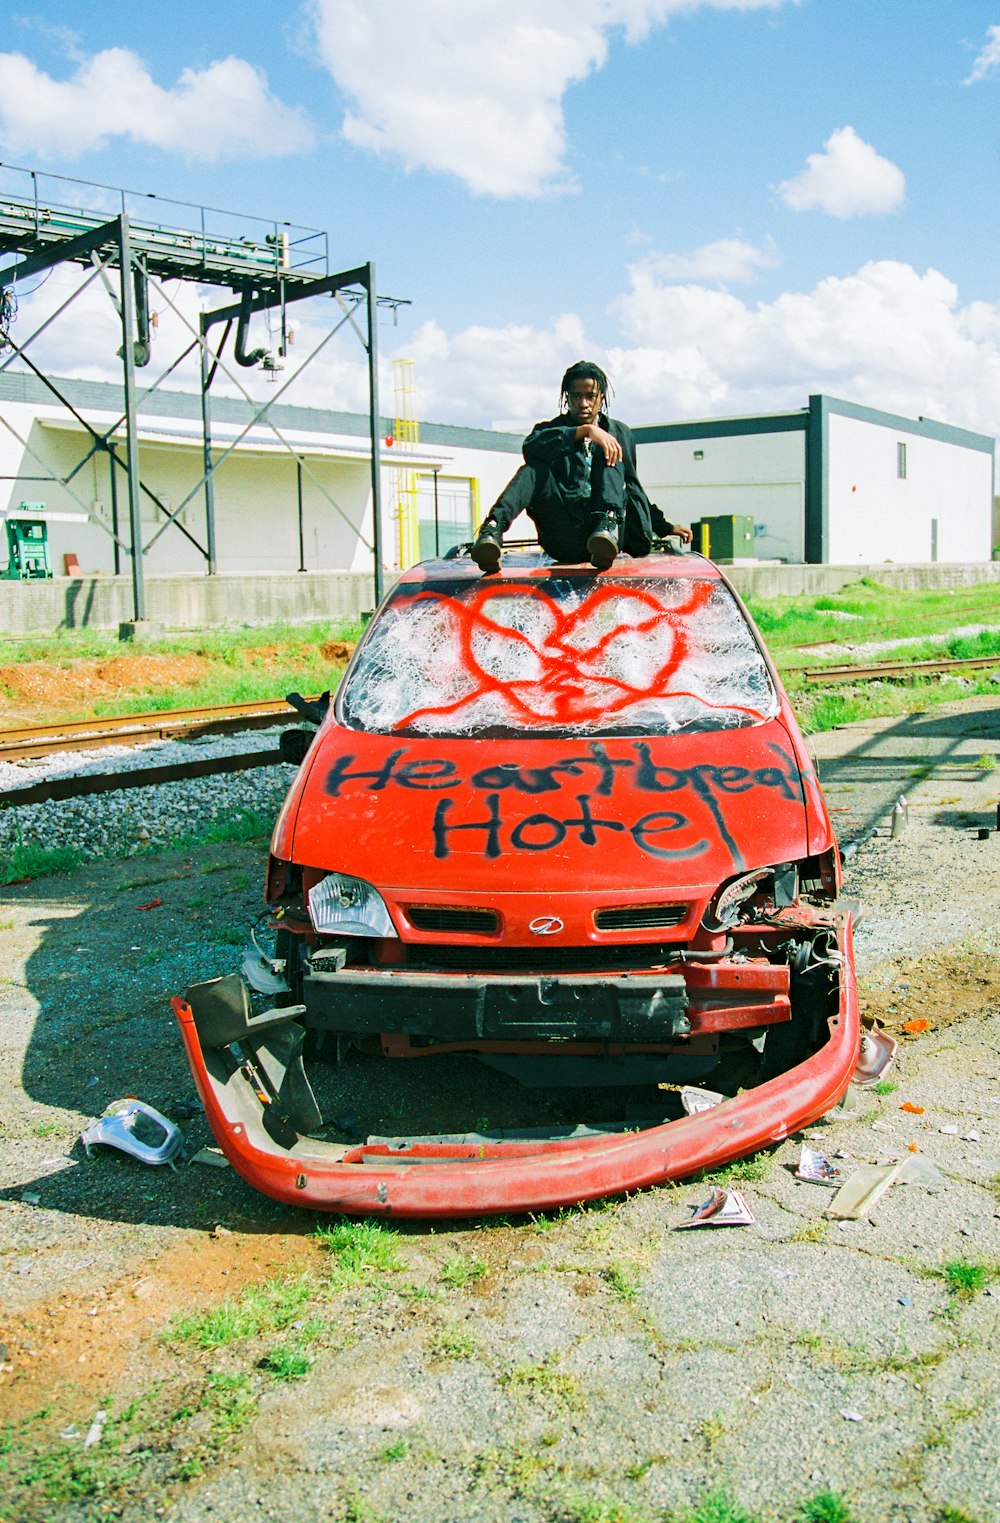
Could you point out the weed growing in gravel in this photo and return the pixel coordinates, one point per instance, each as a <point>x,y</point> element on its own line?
<point>359,1252</point>
<point>396,1451</point>
<point>545,1382</point>
<point>811,1232</point>
<point>955,1515</point>
<point>593,1510</point>
<point>884,1087</point>
<point>28,861</point>
<point>714,1507</point>
<point>460,1270</point>
<point>825,1507</point>
<point>623,1280</point>
<point>987,762</point>
<point>516,1468</point>
<point>289,1361</point>
<point>752,1170</point>
<point>454,1342</point>
<point>260,1309</point>
<point>964,1278</point>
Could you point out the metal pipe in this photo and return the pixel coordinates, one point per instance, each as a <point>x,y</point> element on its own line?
<point>374,422</point>
<point>131,434</point>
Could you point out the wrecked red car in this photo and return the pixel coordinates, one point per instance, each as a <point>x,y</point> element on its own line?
<point>564,821</point>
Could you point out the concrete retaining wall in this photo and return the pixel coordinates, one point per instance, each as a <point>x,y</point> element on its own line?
<point>200,602</point>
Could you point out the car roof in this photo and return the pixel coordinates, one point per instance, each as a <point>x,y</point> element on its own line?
<point>520,565</point>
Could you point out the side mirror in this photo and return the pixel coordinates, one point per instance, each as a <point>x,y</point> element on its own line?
<point>293,745</point>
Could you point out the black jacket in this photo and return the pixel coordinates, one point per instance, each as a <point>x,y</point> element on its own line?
<point>553,443</point>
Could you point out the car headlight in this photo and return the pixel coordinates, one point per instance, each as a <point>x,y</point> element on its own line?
<point>343,906</point>
<point>726,908</point>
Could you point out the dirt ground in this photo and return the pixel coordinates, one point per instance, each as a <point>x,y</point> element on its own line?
<point>592,1366</point>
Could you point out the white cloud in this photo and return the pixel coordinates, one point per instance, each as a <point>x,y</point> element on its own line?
<point>472,88</point>
<point>988,60</point>
<point>848,179</point>
<point>224,111</point>
<point>887,336</point>
<point>726,262</point>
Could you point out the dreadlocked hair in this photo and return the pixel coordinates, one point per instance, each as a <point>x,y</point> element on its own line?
<point>584,370</point>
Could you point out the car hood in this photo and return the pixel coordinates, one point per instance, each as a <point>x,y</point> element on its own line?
<point>554,813</point>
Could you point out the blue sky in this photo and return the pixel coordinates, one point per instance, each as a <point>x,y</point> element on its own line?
<point>729,203</point>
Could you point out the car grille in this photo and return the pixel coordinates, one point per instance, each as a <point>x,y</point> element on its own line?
<point>640,917</point>
<point>436,917</point>
<point>533,959</point>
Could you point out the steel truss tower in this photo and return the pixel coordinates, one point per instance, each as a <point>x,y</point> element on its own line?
<point>264,274</point>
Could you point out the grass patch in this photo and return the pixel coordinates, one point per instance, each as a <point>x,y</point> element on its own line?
<point>623,1280</point>
<point>545,1383</point>
<point>965,1278</point>
<point>825,1507</point>
<point>454,1342</point>
<point>884,1087</point>
<point>460,1270</point>
<point>752,1170</point>
<point>359,1252</point>
<point>26,860</point>
<point>261,1309</point>
<point>595,1510</point>
<point>714,1507</point>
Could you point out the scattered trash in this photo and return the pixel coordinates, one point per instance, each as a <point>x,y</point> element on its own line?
<point>31,1198</point>
<point>117,1128</point>
<point>876,1057</point>
<point>220,1231</point>
<point>183,1110</point>
<point>142,1288</point>
<point>906,1300</point>
<point>212,1156</point>
<point>917,1170</point>
<point>913,1110</point>
<point>817,1168</point>
<point>696,1100</point>
<point>851,1416</point>
<point>71,1432</point>
<point>971,1137</point>
<point>859,1193</point>
<point>948,1131</point>
<point>96,1429</point>
<point>724,1208</point>
<point>913,1028</point>
<point>900,816</point>
<point>91,1082</point>
<point>59,1162</point>
<point>154,904</point>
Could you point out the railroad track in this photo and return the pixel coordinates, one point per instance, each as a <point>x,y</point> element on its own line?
<point>29,742</point>
<point>33,742</point>
<point>873,670</point>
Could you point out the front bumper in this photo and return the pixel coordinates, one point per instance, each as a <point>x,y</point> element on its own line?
<point>479,1179</point>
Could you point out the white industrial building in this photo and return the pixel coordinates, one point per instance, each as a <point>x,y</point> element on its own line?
<point>833,483</point>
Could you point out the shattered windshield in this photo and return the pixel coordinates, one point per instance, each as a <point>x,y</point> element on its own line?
<point>569,654</point>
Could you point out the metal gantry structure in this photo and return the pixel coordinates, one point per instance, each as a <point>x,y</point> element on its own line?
<point>280,265</point>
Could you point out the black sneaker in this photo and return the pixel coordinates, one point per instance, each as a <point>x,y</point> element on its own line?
<point>486,550</point>
<point>602,544</point>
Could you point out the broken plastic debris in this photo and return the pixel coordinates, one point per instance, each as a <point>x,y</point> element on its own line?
<point>906,1300</point>
<point>696,1100</point>
<point>96,1429</point>
<point>117,1128</point>
<point>154,904</point>
<point>915,1027</point>
<point>214,1157</point>
<point>971,1137</point>
<point>851,1416</point>
<point>30,1198</point>
<point>817,1168</point>
<point>858,1194</point>
<point>261,973</point>
<point>876,1057</point>
<point>724,1208</point>
<point>917,1170</point>
<point>948,1131</point>
<point>913,1110</point>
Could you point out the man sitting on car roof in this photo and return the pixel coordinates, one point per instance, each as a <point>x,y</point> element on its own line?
<point>578,484</point>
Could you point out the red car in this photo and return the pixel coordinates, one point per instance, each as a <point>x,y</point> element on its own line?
<point>566,821</point>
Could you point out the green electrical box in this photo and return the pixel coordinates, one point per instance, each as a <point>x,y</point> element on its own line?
<point>725,538</point>
<point>27,550</point>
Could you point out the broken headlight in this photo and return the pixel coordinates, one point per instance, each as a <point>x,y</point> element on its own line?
<point>727,907</point>
<point>343,906</point>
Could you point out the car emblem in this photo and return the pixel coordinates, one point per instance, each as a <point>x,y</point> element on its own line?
<point>545,925</point>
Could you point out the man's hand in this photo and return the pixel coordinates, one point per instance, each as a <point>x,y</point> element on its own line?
<point>605,441</point>
<point>679,532</point>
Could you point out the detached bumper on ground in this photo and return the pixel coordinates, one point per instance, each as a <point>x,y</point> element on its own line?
<point>433,1179</point>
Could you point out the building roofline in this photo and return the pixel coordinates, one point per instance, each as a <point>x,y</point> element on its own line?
<point>104,396</point>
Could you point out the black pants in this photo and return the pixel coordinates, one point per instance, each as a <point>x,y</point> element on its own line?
<point>563,523</point>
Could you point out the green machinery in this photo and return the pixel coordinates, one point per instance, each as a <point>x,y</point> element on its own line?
<point>724,538</point>
<point>27,546</point>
